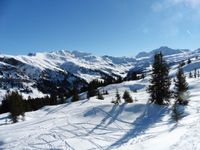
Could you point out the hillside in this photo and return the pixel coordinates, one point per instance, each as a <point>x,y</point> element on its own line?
<point>93,123</point>
<point>99,124</point>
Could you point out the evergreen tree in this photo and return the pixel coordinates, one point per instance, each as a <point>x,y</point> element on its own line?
<point>92,88</point>
<point>119,79</point>
<point>195,73</point>
<point>189,61</point>
<point>118,97</point>
<point>100,96</point>
<point>106,93</point>
<point>53,99</point>
<point>75,96</point>
<point>15,105</point>
<point>190,75</point>
<point>160,81</point>
<point>182,63</point>
<point>127,97</point>
<point>143,76</point>
<point>181,88</point>
<point>132,76</point>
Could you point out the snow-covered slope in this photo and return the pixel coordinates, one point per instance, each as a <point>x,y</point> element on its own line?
<point>99,124</point>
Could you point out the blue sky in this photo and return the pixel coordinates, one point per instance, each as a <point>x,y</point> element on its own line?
<point>111,27</point>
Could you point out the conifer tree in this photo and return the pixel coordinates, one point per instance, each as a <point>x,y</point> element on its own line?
<point>160,81</point>
<point>190,75</point>
<point>15,105</point>
<point>92,88</point>
<point>75,96</point>
<point>99,95</point>
<point>53,99</point>
<point>127,97</point>
<point>189,61</point>
<point>181,88</point>
<point>195,73</point>
<point>118,97</point>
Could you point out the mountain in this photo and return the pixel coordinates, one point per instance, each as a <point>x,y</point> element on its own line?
<point>172,56</point>
<point>59,70</point>
<point>164,50</point>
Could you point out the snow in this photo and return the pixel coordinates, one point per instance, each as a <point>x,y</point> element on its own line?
<point>99,124</point>
<point>166,51</point>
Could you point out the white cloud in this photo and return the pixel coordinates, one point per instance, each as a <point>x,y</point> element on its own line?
<point>159,6</point>
<point>188,3</point>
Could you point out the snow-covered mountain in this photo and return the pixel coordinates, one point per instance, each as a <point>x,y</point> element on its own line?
<point>164,50</point>
<point>83,65</point>
<point>172,56</point>
<point>61,70</point>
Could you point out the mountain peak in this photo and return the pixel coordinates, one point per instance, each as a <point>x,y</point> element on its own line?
<point>163,49</point>
<point>80,53</point>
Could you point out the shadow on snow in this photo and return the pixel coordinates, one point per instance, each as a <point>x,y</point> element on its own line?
<point>151,115</point>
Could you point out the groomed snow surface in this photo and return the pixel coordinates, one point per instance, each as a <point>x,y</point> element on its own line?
<point>99,124</point>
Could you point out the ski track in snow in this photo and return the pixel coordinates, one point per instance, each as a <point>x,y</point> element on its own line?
<point>101,125</point>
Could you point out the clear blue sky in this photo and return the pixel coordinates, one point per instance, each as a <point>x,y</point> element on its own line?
<point>112,27</point>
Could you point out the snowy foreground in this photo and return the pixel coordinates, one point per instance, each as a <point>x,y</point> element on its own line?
<point>99,124</point>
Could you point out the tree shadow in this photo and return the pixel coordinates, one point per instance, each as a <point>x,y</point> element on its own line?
<point>151,115</point>
<point>116,114</point>
<point>84,101</point>
<point>110,117</point>
<point>53,110</point>
<point>1,144</point>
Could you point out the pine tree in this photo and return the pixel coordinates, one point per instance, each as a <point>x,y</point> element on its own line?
<point>75,96</point>
<point>53,99</point>
<point>15,105</point>
<point>118,97</point>
<point>127,97</point>
<point>181,88</point>
<point>99,95</point>
<point>160,81</point>
<point>92,88</point>
<point>189,61</point>
<point>190,75</point>
<point>195,73</point>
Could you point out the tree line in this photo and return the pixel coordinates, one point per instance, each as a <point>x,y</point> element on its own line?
<point>14,103</point>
